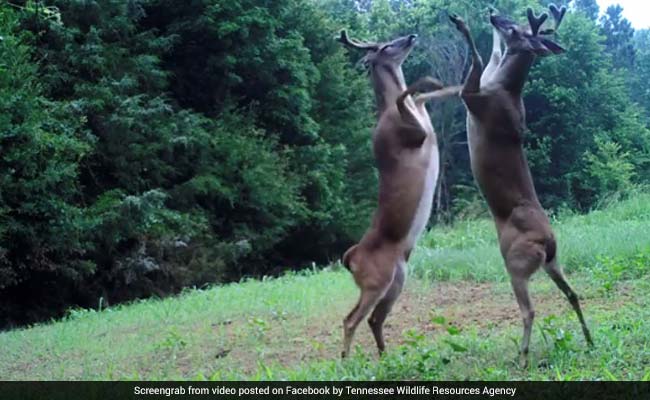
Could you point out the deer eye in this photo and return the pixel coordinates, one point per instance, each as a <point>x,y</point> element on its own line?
<point>386,47</point>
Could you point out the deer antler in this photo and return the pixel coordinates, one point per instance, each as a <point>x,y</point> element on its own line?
<point>535,22</point>
<point>558,15</point>
<point>355,43</point>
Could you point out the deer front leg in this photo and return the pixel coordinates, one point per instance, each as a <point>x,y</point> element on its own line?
<point>473,82</point>
<point>438,94</point>
<point>495,58</point>
<point>426,84</point>
<point>412,133</point>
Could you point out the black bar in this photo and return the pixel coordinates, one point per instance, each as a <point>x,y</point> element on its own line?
<point>323,390</point>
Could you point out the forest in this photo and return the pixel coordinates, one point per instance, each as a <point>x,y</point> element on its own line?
<point>148,146</point>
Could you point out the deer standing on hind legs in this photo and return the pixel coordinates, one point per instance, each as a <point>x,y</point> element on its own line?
<point>406,155</point>
<point>495,128</point>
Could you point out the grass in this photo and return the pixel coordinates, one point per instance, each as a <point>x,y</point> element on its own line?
<point>456,320</point>
<point>469,250</point>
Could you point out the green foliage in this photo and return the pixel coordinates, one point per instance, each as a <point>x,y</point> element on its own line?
<point>618,36</point>
<point>640,78</point>
<point>42,228</point>
<point>588,7</point>
<point>185,169</point>
<point>574,103</point>
<point>554,334</point>
<point>610,169</point>
<point>612,269</point>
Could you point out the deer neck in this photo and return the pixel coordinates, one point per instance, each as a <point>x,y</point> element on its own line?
<point>514,70</point>
<point>389,84</point>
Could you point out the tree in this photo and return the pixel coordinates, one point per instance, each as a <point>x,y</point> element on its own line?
<point>570,101</point>
<point>588,7</point>
<point>618,36</point>
<point>43,232</point>
<point>640,77</point>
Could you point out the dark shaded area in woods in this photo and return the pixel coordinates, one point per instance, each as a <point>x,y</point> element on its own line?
<point>151,145</point>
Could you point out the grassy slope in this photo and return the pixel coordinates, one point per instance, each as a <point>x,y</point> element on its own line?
<point>457,319</point>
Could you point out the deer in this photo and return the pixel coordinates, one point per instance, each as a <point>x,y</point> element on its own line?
<point>495,129</point>
<point>406,156</point>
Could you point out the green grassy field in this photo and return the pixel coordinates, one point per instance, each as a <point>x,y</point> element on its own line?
<point>456,320</point>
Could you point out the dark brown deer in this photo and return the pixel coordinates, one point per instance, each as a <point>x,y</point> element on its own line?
<point>406,156</point>
<point>495,128</point>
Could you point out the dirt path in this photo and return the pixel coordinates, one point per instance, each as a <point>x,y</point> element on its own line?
<point>463,304</point>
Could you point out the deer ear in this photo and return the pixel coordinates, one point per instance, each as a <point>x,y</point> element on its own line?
<point>551,46</point>
<point>542,46</point>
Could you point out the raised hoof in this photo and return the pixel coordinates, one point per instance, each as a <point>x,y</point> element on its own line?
<point>523,360</point>
<point>428,84</point>
<point>458,21</point>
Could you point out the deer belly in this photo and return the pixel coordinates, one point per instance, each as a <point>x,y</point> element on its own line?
<point>423,210</point>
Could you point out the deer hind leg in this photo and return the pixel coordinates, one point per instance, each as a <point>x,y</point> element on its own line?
<point>554,270</point>
<point>385,305</point>
<point>374,281</point>
<point>522,260</point>
<point>369,298</point>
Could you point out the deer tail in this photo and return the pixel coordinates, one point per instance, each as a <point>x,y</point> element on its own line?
<point>347,257</point>
<point>551,249</point>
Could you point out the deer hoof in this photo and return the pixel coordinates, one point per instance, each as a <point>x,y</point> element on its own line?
<point>426,84</point>
<point>458,21</point>
<point>523,360</point>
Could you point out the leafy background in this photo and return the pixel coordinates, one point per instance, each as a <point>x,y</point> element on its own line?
<point>151,145</point>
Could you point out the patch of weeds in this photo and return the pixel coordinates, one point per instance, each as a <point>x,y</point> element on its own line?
<point>561,340</point>
<point>264,372</point>
<point>452,330</point>
<point>79,313</point>
<point>316,344</point>
<point>259,327</point>
<point>173,341</point>
<point>609,270</point>
<point>275,308</point>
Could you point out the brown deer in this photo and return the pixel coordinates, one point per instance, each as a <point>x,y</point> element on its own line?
<point>495,128</point>
<point>406,155</point>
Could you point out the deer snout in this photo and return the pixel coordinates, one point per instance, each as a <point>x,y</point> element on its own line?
<point>411,39</point>
<point>501,23</point>
<point>405,42</point>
